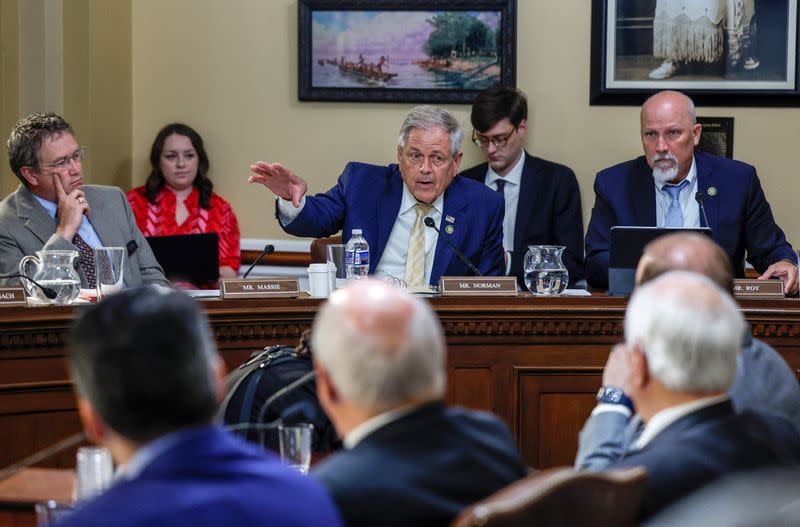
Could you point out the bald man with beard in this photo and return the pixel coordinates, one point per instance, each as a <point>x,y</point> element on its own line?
<point>764,381</point>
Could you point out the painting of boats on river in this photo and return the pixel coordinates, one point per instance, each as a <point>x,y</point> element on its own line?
<point>406,50</point>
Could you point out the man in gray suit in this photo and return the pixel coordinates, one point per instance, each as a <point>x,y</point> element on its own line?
<point>764,381</point>
<point>53,210</point>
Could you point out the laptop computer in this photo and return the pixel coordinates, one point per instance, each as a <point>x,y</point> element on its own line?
<point>627,246</point>
<point>188,257</point>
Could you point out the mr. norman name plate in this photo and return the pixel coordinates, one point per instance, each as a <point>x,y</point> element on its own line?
<point>478,286</point>
<point>259,288</point>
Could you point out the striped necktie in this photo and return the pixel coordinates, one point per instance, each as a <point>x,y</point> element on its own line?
<point>415,259</point>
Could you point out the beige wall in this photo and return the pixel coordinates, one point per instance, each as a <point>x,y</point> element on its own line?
<point>229,69</point>
<point>72,57</point>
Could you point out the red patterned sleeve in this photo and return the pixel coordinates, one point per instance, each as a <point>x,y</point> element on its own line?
<point>139,204</point>
<point>229,250</point>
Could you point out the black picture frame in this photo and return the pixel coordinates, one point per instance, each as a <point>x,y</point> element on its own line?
<point>620,64</point>
<point>716,136</point>
<point>456,81</point>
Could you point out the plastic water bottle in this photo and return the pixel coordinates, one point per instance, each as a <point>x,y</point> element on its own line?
<point>356,256</point>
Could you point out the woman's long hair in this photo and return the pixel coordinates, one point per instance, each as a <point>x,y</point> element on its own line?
<point>155,182</point>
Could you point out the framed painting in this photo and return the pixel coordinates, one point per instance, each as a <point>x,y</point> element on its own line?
<point>719,52</point>
<point>418,51</point>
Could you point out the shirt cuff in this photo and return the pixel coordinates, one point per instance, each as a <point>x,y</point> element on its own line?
<point>287,212</point>
<point>606,407</point>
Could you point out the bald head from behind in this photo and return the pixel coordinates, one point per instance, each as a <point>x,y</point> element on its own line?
<point>376,348</point>
<point>685,251</point>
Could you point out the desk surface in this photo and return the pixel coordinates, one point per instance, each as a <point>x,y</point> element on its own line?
<point>32,485</point>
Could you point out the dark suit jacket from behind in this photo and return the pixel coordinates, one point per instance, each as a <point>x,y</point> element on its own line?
<point>422,469</point>
<point>708,444</point>
<point>738,213</point>
<point>368,197</point>
<point>548,213</point>
<point>209,477</point>
<point>27,227</point>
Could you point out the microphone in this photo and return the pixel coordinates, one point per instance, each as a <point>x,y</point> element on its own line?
<point>268,249</point>
<point>43,454</point>
<point>698,197</point>
<point>289,388</point>
<point>432,224</point>
<point>49,292</point>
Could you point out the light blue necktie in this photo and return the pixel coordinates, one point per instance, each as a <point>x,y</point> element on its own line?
<point>674,216</point>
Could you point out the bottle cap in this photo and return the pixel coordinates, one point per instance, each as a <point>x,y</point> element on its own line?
<point>356,232</point>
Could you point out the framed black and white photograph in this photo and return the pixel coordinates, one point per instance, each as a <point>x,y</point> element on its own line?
<point>413,51</point>
<point>720,52</point>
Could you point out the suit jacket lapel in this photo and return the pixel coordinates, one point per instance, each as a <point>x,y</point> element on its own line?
<point>99,217</point>
<point>454,203</point>
<point>387,207</point>
<point>706,180</point>
<point>34,216</point>
<point>526,200</point>
<point>643,196</point>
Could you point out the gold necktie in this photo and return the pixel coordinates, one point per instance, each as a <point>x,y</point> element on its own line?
<point>415,260</point>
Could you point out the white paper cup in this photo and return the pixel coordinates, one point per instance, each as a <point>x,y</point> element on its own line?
<point>319,280</point>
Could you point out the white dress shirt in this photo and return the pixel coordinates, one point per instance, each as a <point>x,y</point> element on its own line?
<point>689,206</point>
<point>511,194</point>
<point>393,260</point>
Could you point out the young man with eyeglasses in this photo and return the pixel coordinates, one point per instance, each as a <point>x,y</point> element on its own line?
<point>53,210</point>
<point>542,199</point>
<point>390,204</point>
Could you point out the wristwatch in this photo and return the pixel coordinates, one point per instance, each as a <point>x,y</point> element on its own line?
<point>614,395</point>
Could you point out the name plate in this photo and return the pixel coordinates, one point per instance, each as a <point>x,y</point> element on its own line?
<point>478,286</point>
<point>12,296</point>
<point>751,288</point>
<point>259,288</point>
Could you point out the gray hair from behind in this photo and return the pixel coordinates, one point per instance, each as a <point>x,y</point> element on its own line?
<point>689,329</point>
<point>375,372</point>
<point>427,117</point>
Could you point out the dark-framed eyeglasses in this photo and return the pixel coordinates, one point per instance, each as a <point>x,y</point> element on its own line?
<point>65,162</point>
<point>499,141</point>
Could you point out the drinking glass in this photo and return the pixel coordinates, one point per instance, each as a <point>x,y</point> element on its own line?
<point>50,512</point>
<point>109,266</point>
<point>94,470</point>
<point>295,445</point>
<point>335,252</point>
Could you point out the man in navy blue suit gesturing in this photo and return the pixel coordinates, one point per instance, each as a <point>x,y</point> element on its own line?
<point>391,203</point>
<point>674,185</point>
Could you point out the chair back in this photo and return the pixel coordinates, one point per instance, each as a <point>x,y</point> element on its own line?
<point>562,496</point>
<point>318,251</point>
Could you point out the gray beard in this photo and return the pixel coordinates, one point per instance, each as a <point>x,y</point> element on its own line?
<point>662,176</point>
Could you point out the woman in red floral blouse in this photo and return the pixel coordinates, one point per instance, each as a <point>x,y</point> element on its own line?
<point>178,199</point>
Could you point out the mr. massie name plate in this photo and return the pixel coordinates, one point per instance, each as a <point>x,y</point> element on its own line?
<point>12,296</point>
<point>259,288</point>
<point>764,289</point>
<point>478,286</point>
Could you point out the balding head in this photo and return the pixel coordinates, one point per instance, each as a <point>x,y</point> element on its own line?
<point>682,105</point>
<point>685,251</point>
<point>381,347</point>
<point>689,329</point>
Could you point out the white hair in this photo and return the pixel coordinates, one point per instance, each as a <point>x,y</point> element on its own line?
<point>372,371</point>
<point>428,117</point>
<point>689,329</point>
